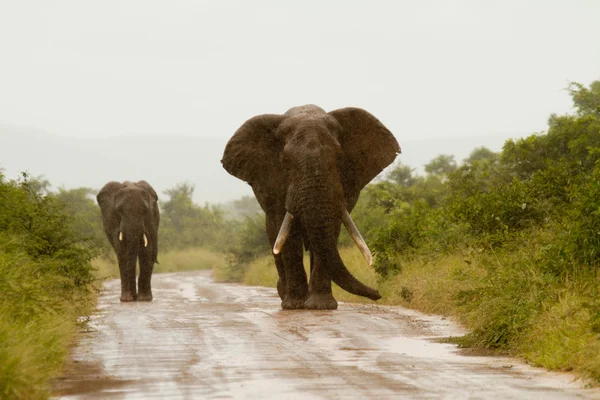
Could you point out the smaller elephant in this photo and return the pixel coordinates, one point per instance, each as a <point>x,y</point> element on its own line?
<point>130,218</point>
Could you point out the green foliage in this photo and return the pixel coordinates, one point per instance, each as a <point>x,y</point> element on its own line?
<point>249,243</point>
<point>246,206</point>
<point>528,217</point>
<point>481,155</point>
<point>581,238</point>
<point>442,165</point>
<point>497,212</point>
<point>185,224</point>
<point>41,227</point>
<point>402,175</point>
<point>507,301</point>
<point>46,276</point>
<point>80,203</point>
<point>586,101</point>
<point>400,236</point>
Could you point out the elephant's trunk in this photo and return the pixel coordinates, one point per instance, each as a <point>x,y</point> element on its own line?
<point>327,252</point>
<point>321,216</point>
<point>132,236</point>
<point>129,245</point>
<point>133,231</point>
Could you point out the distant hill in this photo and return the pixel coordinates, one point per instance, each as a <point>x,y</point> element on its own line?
<point>167,159</point>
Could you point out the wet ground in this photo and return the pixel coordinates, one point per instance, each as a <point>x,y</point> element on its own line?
<point>199,339</point>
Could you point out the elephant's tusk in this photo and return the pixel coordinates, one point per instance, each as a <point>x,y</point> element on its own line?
<point>120,236</point>
<point>284,232</point>
<point>355,234</point>
<point>145,241</point>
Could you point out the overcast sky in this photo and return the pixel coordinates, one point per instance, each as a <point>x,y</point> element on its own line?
<point>425,68</point>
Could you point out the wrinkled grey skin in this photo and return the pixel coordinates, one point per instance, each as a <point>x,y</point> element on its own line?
<point>314,165</point>
<point>131,209</point>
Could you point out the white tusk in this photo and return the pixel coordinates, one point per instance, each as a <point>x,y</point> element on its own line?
<point>120,236</point>
<point>355,235</point>
<point>145,241</point>
<point>284,232</point>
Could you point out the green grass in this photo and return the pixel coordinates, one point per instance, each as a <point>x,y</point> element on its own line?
<point>38,322</point>
<point>566,334</point>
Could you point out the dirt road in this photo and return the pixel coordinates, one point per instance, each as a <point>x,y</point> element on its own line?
<point>199,339</point>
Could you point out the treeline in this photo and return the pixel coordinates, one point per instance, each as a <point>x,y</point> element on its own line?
<point>183,225</point>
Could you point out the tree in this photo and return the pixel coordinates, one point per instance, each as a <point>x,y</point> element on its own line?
<point>180,205</point>
<point>586,101</point>
<point>80,203</point>
<point>402,175</point>
<point>246,206</point>
<point>185,224</point>
<point>442,165</point>
<point>481,154</point>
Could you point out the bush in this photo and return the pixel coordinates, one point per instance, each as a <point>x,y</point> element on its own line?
<point>249,243</point>
<point>186,225</point>
<point>46,275</point>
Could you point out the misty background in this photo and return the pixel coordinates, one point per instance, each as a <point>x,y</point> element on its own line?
<point>129,90</point>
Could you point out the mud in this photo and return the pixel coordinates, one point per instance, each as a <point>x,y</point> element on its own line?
<point>199,339</point>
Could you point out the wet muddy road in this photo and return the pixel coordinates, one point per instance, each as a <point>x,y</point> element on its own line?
<point>199,339</point>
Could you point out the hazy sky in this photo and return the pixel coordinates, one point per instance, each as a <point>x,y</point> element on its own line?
<point>425,68</point>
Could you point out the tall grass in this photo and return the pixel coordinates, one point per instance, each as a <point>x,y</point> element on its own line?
<point>38,321</point>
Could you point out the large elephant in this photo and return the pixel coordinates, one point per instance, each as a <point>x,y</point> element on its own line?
<point>130,217</point>
<point>307,168</point>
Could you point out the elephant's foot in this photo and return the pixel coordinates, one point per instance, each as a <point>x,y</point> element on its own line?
<point>320,301</point>
<point>293,303</point>
<point>145,296</point>
<point>127,297</point>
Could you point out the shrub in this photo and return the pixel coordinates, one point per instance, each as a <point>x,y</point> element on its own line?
<point>46,275</point>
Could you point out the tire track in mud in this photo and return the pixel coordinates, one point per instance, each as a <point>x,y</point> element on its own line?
<point>200,339</point>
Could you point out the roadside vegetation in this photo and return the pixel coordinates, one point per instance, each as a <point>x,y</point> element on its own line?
<point>45,284</point>
<point>507,243</point>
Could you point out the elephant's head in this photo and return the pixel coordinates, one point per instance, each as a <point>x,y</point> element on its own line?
<point>127,209</point>
<point>312,165</point>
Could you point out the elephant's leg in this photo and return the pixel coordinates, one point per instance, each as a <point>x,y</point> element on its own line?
<point>127,271</point>
<point>295,276</point>
<point>146,266</point>
<point>320,296</point>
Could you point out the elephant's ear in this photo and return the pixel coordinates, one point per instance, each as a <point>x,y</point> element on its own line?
<point>253,152</point>
<point>106,196</point>
<point>368,147</point>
